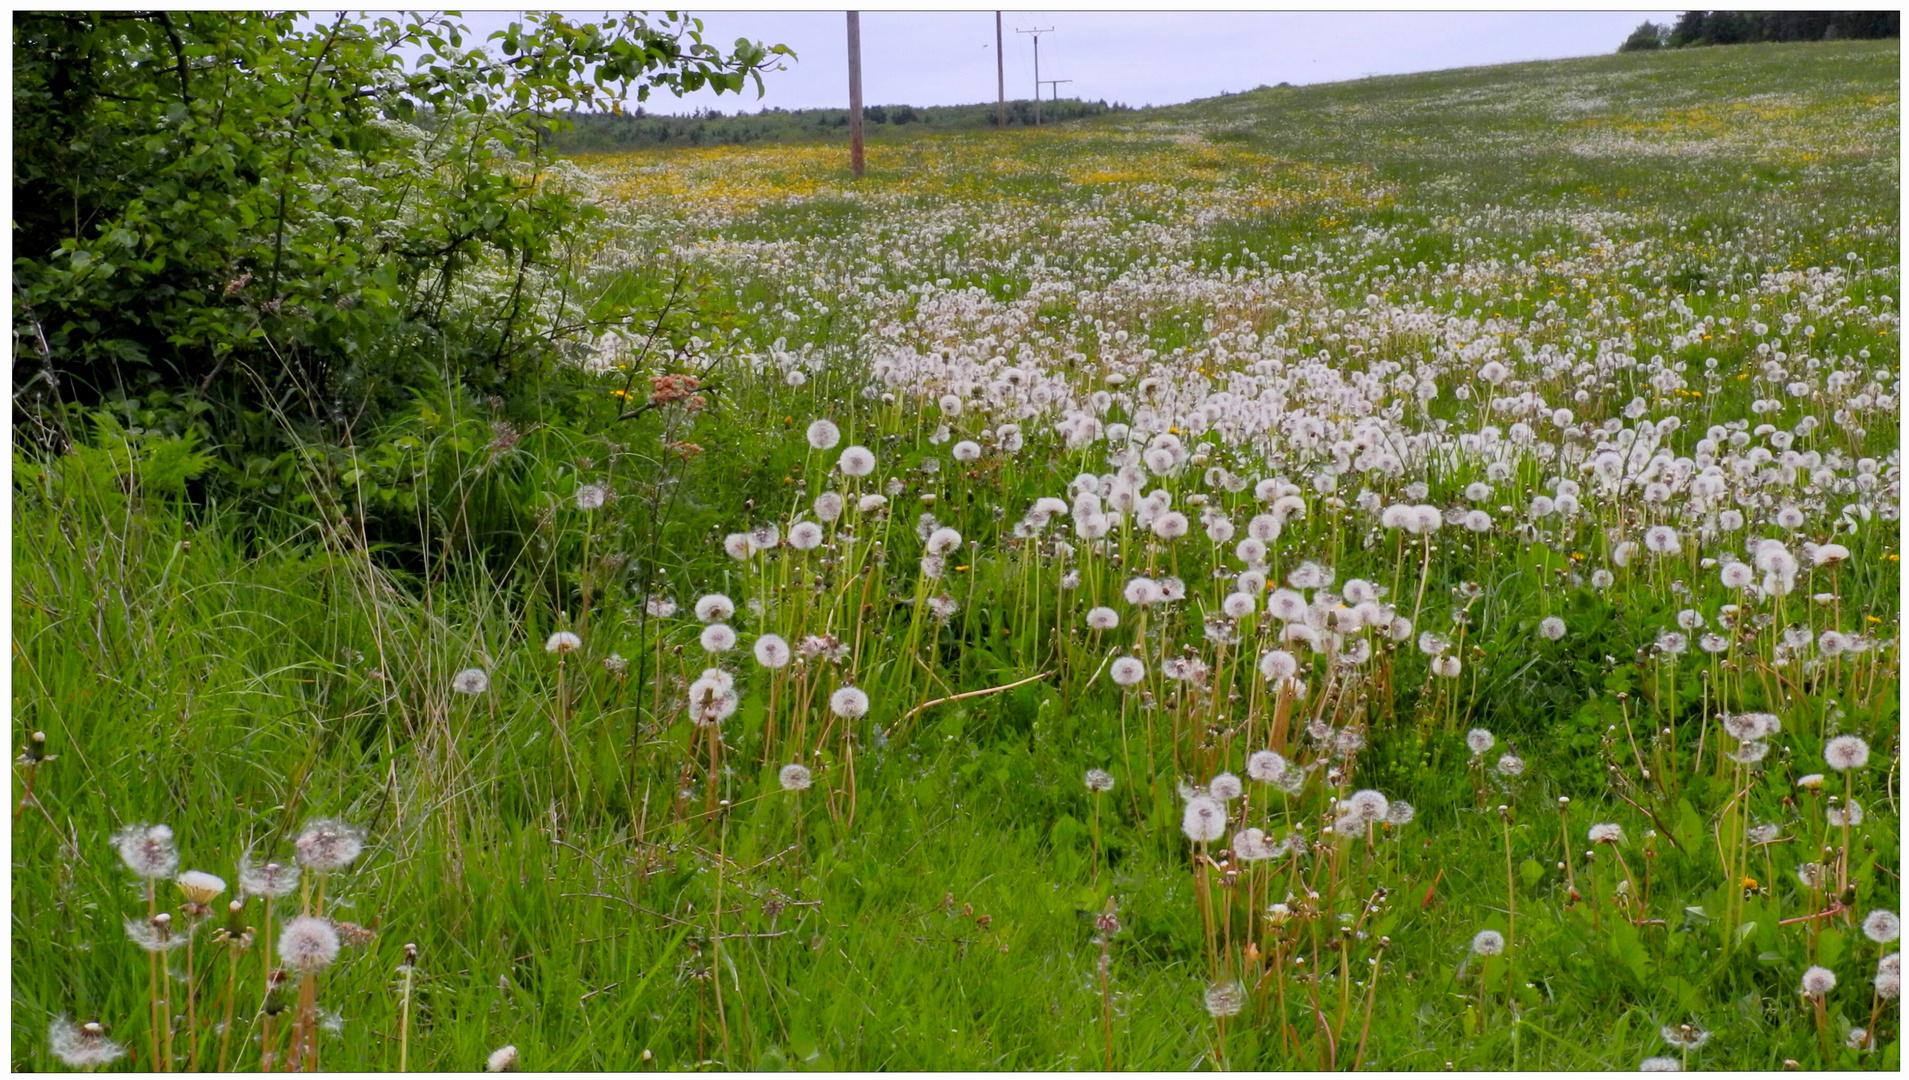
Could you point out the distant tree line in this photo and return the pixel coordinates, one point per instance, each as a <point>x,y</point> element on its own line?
<point>1747,27</point>
<point>600,132</point>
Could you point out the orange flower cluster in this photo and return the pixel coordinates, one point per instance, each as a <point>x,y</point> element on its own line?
<point>671,389</point>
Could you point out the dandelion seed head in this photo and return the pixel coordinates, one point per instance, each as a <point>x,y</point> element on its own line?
<point>849,703</point>
<point>1488,943</point>
<point>1846,752</point>
<point>1266,766</point>
<point>592,496</point>
<point>1882,926</point>
<point>1278,665</point>
<point>1661,1064</point>
<point>1126,671</point>
<point>718,638</point>
<point>856,461</point>
<point>155,935</point>
<point>829,505</point>
<point>1204,819</point>
<point>823,434</point>
<point>82,1046</point>
<point>561,642</point>
<point>272,879</point>
<point>795,777</point>
<point>1249,845</point>
<point>772,651</point>
<point>1747,726</point>
<point>1606,832</point>
<point>1369,806</point>
<point>329,844</point>
<point>1099,780</point>
<point>505,1058</point>
<point>1684,1037</point>
<point>714,608</point>
<point>1849,814</point>
<point>1225,999</point>
<point>147,850</point>
<point>1818,981</point>
<point>1480,740</point>
<point>1225,787</point>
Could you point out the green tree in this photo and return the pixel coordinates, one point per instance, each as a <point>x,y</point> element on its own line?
<point>251,209</point>
<point>1648,35</point>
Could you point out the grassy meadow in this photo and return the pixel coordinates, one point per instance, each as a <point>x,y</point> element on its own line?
<point>1388,575</point>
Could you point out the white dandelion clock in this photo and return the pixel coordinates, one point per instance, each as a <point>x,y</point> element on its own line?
<point>795,777</point>
<point>715,608</point>
<point>147,850</point>
<point>308,944</point>
<point>1266,766</point>
<point>82,1046</point>
<point>1225,999</point>
<point>1818,981</point>
<point>772,651</point>
<point>718,638</point>
<point>856,461</point>
<point>1846,752</point>
<point>849,703</point>
<point>329,844</point>
<point>592,496</point>
<point>823,435</point>
<point>1204,820</point>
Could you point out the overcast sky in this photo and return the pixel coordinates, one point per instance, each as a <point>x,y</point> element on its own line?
<point>1134,57</point>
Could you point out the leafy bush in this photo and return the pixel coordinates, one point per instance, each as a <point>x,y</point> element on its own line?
<point>285,217</point>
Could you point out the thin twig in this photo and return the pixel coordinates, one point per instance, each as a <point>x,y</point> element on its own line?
<point>905,717</point>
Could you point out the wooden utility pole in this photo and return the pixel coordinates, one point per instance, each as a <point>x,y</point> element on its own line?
<point>1000,78</point>
<point>855,160</point>
<point>1056,85</point>
<point>1037,67</point>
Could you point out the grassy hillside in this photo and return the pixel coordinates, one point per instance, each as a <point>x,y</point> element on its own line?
<point>1509,453</point>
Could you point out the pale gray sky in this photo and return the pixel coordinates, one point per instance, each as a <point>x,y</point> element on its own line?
<point>1135,57</point>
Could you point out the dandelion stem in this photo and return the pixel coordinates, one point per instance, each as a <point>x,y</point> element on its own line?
<point>231,997</point>
<point>404,1018</point>
<point>1371,994</point>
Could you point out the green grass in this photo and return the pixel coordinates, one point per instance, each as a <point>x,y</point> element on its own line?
<point>581,885</point>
